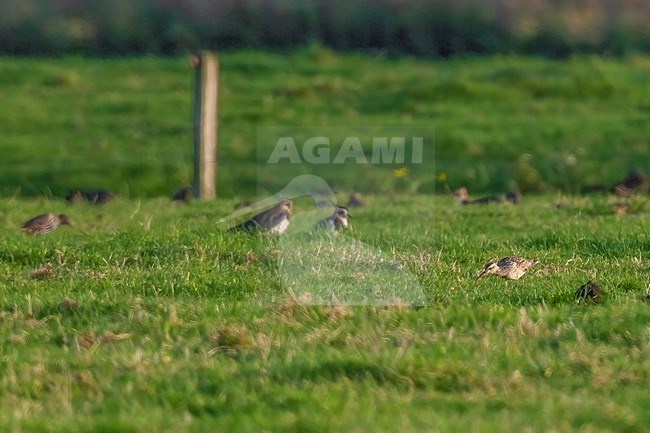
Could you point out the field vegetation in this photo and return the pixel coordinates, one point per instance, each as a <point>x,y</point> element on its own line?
<point>494,123</point>
<point>147,315</point>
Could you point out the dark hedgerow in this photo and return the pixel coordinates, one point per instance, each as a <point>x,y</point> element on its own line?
<point>423,28</point>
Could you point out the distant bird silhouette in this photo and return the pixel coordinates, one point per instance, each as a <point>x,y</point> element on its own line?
<point>183,194</point>
<point>462,197</point>
<point>274,220</point>
<point>514,197</point>
<point>99,196</point>
<point>44,223</point>
<point>74,196</point>
<point>510,268</point>
<point>621,190</point>
<point>337,221</point>
<point>356,200</point>
<point>589,291</point>
<point>635,181</point>
<point>486,200</point>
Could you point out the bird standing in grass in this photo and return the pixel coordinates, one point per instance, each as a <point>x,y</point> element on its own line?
<point>183,195</point>
<point>514,197</point>
<point>274,220</point>
<point>589,291</point>
<point>335,222</point>
<point>356,200</point>
<point>510,268</point>
<point>462,197</point>
<point>45,223</point>
<point>99,196</point>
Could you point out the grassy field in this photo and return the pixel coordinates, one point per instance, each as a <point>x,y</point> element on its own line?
<point>150,317</point>
<point>500,122</point>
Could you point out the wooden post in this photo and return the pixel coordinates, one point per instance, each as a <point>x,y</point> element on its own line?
<point>206,90</point>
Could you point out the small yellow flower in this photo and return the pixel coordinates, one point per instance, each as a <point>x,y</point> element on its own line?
<point>400,172</point>
<point>442,176</point>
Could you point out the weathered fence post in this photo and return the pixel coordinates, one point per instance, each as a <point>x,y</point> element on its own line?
<point>206,91</point>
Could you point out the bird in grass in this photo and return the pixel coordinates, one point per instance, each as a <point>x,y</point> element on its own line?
<point>99,196</point>
<point>462,197</point>
<point>510,268</point>
<point>274,220</point>
<point>44,223</point>
<point>356,200</point>
<point>337,221</point>
<point>74,196</point>
<point>183,195</point>
<point>635,181</point>
<point>514,197</point>
<point>589,291</point>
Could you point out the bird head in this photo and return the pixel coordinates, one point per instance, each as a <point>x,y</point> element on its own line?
<point>343,212</point>
<point>64,220</point>
<point>461,193</point>
<point>74,196</point>
<point>490,267</point>
<point>286,206</point>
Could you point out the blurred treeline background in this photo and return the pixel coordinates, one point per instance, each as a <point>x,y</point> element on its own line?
<point>429,28</point>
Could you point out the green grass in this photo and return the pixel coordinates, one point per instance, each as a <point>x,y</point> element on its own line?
<point>151,318</point>
<point>499,122</point>
<point>148,316</point>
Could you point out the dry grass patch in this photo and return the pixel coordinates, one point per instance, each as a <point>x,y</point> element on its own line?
<point>232,339</point>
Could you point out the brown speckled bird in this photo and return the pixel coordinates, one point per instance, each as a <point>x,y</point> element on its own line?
<point>335,222</point>
<point>589,291</point>
<point>45,223</point>
<point>510,268</point>
<point>274,220</point>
